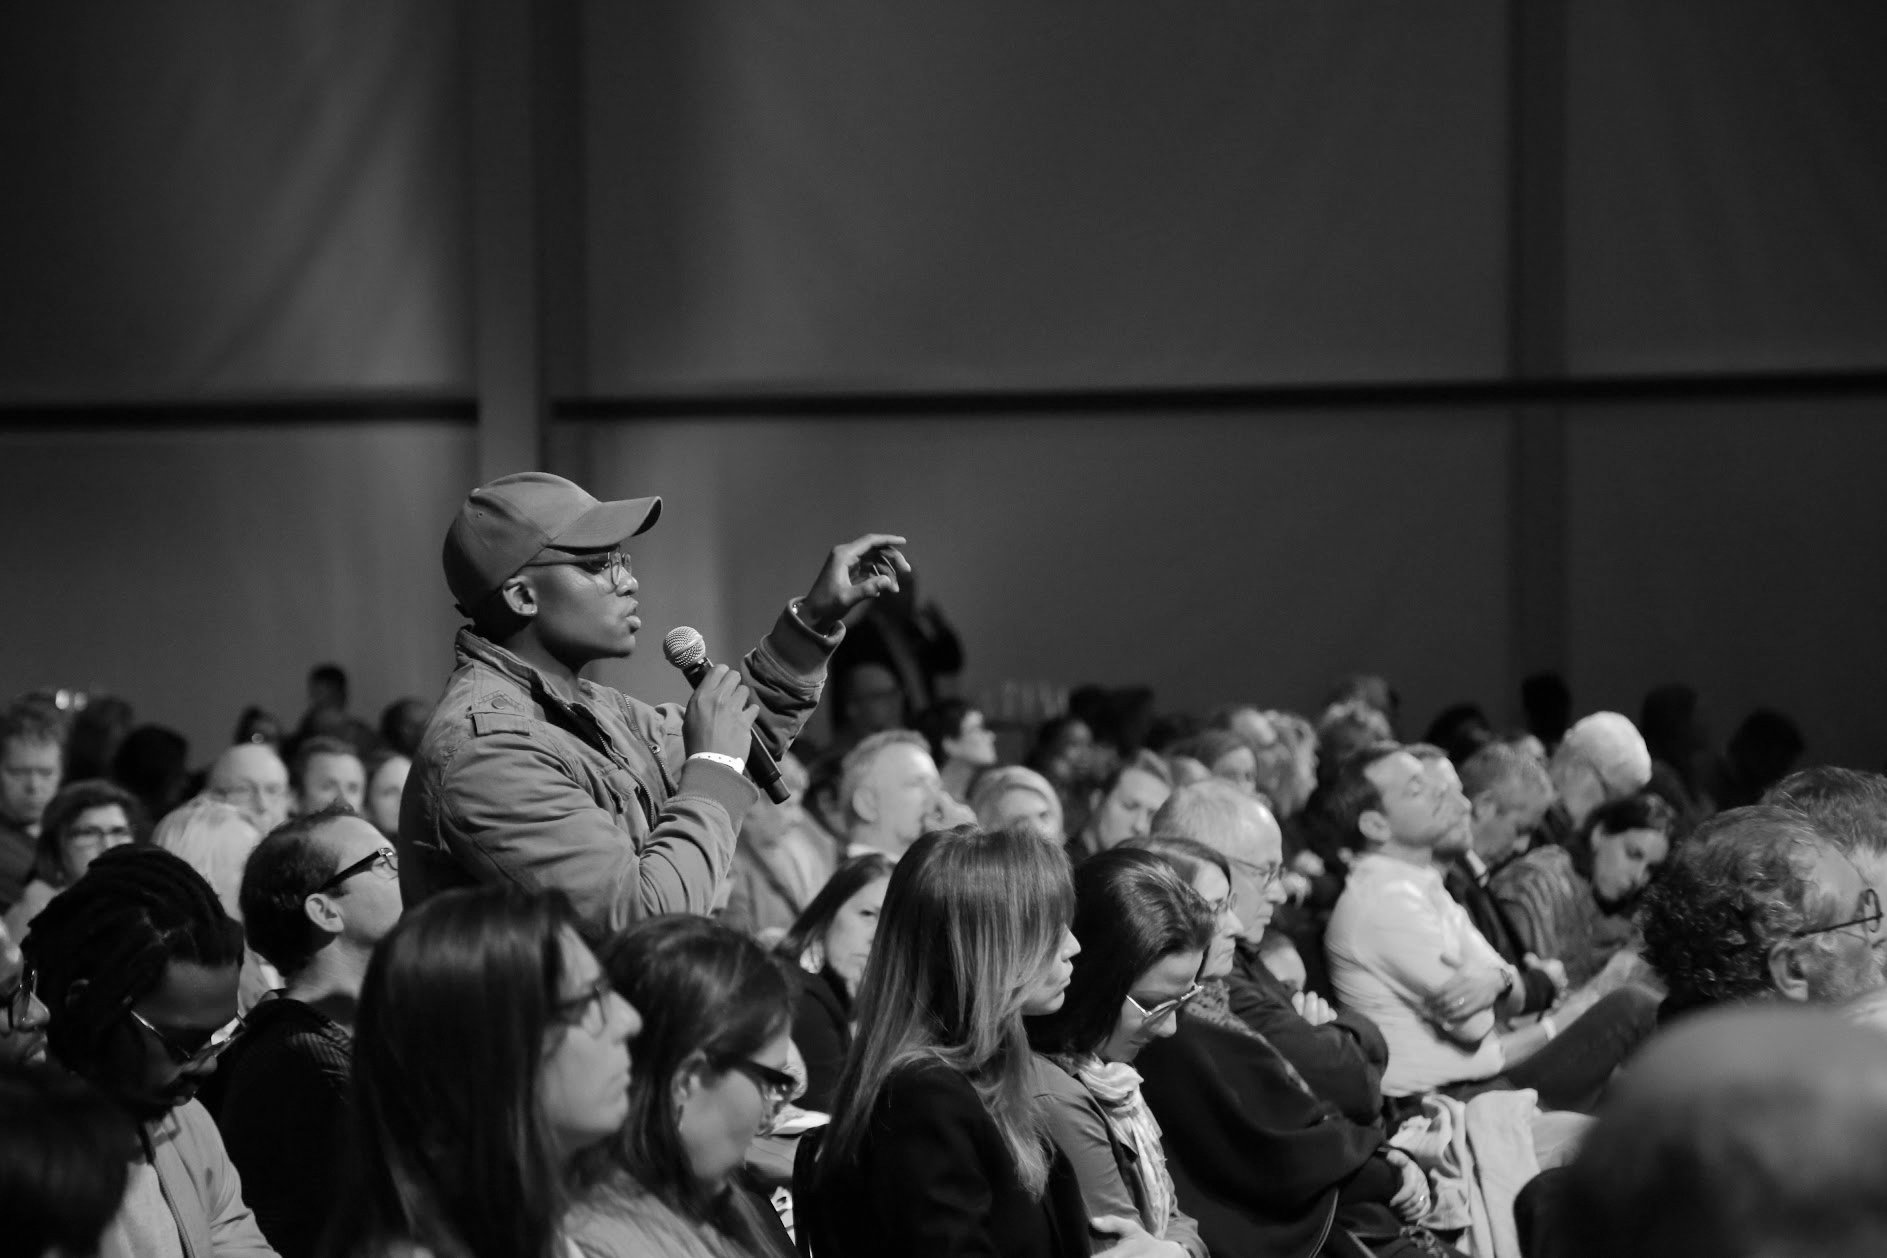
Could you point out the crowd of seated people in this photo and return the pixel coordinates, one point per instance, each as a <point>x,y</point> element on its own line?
<point>536,973</point>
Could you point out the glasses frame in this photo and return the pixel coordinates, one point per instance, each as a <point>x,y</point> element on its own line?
<point>589,1012</point>
<point>1267,875</point>
<point>386,857</point>
<point>1167,1006</point>
<point>20,999</point>
<point>1869,921</point>
<point>614,564</point>
<point>220,1039</point>
<point>776,1086</point>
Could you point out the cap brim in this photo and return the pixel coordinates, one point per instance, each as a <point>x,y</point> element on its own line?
<point>608,524</point>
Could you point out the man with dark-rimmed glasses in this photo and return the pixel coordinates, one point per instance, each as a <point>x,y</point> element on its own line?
<point>137,966</point>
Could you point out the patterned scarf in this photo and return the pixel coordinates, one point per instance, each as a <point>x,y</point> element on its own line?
<point>1116,1085</point>
<point>1214,1006</point>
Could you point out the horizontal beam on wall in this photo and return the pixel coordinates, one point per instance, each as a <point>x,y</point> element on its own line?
<point>241,412</point>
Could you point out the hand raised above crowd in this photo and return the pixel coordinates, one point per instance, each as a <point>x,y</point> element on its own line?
<point>854,573</point>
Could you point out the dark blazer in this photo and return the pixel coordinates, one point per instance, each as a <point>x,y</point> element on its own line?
<point>933,1179</point>
<point>1342,1061</point>
<point>1498,929</point>
<point>822,1031</point>
<point>1259,1162</point>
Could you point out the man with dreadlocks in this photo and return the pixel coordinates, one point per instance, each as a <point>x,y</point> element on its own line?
<point>138,963</point>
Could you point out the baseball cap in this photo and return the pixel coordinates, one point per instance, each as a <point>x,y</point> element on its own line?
<point>505,524</point>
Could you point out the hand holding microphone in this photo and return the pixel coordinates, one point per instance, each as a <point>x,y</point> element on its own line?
<point>721,712</point>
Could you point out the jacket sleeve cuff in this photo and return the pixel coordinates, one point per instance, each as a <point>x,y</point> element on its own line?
<point>731,790</point>
<point>800,653</point>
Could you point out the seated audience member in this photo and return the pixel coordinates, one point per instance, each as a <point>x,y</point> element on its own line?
<point>386,782</point>
<point>491,1070</point>
<point>23,1015</point>
<point>1459,730</point>
<point>94,735</point>
<point>83,819</point>
<point>1144,935</point>
<point>961,743</point>
<point>890,791</point>
<point>1847,805</point>
<point>1508,792</point>
<point>252,778</point>
<point>1371,692</point>
<point>1760,903</point>
<point>1754,1133</point>
<point>215,839</point>
<point>317,895</point>
<point>64,1152</point>
<point>936,1143</point>
<point>709,1075</point>
<point>1263,1164</point>
<point>153,763</point>
<point>32,760</point>
<point>138,964</point>
<point>1575,903</point>
<point>1759,754</point>
<point>327,716</point>
<point>1601,758</point>
<point>402,722</point>
<point>1123,807</point>
<point>528,775</point>
<point>1225,755</point>
<point>825,952</point>
<point>1341,1055</point>
<point>327,768</point>
<point>1015,796</point>
<point>867,699</point>
<point>1405,955</point>
<point>781,860</point>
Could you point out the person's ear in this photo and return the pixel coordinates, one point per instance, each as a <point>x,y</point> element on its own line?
<point>323,912</point>
<point>1374,826</point>
<point>519,595</point>
<point>1788,974</point>
<point>689,1079</point>
<point>865,804</point>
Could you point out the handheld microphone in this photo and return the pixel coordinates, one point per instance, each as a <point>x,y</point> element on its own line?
<point>685,649</point>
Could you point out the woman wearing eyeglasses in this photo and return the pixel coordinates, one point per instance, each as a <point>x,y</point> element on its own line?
<point>83,819</point>
<point>1262,1163</point>
<point>491,1066</point>
<point>1144,935</point>
<point>710,1075</point>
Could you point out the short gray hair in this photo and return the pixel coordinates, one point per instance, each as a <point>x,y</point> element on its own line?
<point>859,760</point>
<point>1212,812</point>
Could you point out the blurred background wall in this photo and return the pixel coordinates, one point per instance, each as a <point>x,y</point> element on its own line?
<point>1220,347</point>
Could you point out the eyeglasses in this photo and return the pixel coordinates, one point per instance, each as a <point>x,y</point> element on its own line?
<point>613,564</point>
<point>1228,903</point>
<point>1266,875</point>
<point>204,1053</point>
<point>776,1086</point>
<point>1167,1006</point>
<point>100,834</point>
<point>1869,920</point>
<point>385,863</point>
<point>20,999</point>
<point>588,1012</point>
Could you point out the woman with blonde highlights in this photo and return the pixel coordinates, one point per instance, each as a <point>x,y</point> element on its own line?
<point>937,1143</point>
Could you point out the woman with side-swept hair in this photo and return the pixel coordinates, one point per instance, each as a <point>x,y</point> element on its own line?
<point>937,1144</point>
<point>491,1064</point>
<point>826,951</point>
<point>1144,934</point>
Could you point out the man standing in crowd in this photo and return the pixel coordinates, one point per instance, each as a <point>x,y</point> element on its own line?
<point>1602,758</point>
<point>317,895</point>
<point>137,963</point>
<point>891,793</point>
<point>251,778</point>
<point>326,769</point>
<point>528,774</point>
<point>31,760</point>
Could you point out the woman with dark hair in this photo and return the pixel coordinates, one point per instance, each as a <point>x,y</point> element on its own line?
<point>826,951</point>
<point>710,1075</point>
<point>938,1144</point>
<point>82,820</point>
<point>64,1154</point>
<point>961,743</point>
<point>1144,935</point>
<point>1260,1161</point>
<point>491,1067</point>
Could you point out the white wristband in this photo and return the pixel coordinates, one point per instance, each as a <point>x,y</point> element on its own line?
<point>737,765</point>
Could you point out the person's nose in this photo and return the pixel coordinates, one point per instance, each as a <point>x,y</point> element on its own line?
<point>37,1015</point>
<point>1234,925</point>
<point>627,1024</point>
<point>1070,946</point>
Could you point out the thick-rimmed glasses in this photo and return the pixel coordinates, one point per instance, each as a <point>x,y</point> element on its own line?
<point>20,999</point>
<point>589,1012</point>
<point>776,1086</point>
<point>1869,920</point>
<point>613,565</point>
<point>385,863</point>
<point>1166,1007</point>
<point>186,1057</point>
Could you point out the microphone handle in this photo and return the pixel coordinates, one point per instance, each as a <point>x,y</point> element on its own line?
<point>762,769</point>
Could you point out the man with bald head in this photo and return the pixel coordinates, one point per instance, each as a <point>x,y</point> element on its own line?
<point>1342,1055</point>
<point>1753,1133</point>
<point>251,778</point>
<point>1602,758</point>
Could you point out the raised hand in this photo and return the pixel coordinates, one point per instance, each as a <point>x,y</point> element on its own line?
<point>854,572</point>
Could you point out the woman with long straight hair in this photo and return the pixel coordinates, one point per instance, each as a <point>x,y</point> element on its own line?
<point>491,1065</point>
<point>709,1076</point>
<point>937,1144</point>
<point>825,952</point>
<point>1144,934</point>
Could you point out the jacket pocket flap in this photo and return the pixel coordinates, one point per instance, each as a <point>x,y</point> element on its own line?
<point>501,723</point>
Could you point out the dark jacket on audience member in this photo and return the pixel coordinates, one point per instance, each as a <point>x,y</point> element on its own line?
<point>280,1096</point>
<point>1342,1061</point>
<point>933,1177</point>
<point>1259,1162</point>
<point>597,798</point>
<point>822,1031</point>
<point>1498,929</point>
<point>18,851</point>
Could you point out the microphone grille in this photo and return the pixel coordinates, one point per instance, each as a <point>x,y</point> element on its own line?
<point>684,647</point>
